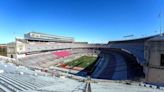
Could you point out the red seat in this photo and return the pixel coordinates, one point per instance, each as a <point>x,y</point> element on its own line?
<point>62,53</point>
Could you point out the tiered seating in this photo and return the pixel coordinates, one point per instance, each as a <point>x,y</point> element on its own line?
<point>43,60</point>
<point>40,46</point>
<point>37,59</point>
<point>116,64</point>
<point>137,49</point>
<point>105,67</point>
<point>15,79</point>
<point>21,79</point>
<point>60,54</point>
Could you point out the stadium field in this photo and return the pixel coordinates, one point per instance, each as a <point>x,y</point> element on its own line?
<point>82,62</point>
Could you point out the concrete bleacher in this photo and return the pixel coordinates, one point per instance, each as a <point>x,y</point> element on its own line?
<point>115,64</point>
<point>21,79</point>
<point>46,59</point>
<point>137,49</point>
<point>133,46</point>
<point>43,46</point>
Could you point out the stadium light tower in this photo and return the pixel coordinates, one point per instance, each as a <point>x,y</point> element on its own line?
<point>160,19</point>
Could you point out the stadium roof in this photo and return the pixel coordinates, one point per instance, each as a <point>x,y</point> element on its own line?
<point>136,39</point>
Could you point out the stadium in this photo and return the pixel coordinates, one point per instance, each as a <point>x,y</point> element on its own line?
<point>42,62</point>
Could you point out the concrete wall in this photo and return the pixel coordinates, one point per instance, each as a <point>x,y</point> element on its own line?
<point>153,50</point>
<point>11,50</point>
<point>155,75</point>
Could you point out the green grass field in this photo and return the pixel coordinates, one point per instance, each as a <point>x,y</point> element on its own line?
<point>82,62</point>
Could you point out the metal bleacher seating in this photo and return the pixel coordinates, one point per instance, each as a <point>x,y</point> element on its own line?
<point>19,78</point>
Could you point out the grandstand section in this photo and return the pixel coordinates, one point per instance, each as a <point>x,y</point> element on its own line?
<point>115,64</point>
<point>121,60</point>
<point>23,47</point>
<point>132,46</point>
<point>47,59</point>
<point>37,52</point>
<point>22,79</point>
<point>42,37</point>
<point>117,60</point>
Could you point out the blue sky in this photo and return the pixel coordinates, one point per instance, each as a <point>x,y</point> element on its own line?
<point>95,21</point>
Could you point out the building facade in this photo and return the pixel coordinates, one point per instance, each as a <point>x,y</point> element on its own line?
<point>154,54</point>
<point>36,36</point>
